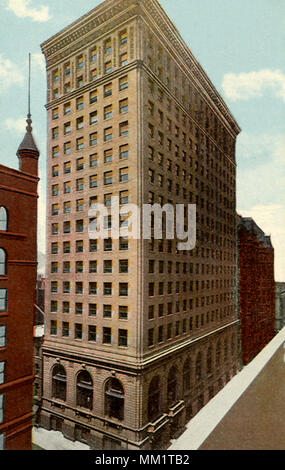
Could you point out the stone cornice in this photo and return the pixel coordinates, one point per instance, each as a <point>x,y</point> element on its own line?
<point>154,12</point>
<point>113,12</point>
<point>87,29</point>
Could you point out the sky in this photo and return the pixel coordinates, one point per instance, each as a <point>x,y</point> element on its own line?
<point>240,44</point>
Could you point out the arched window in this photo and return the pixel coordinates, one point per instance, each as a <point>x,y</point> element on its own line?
<point>3,218</point>
<point>218,353</point>
<point>154,404</point>
<point>186,375</point>
<point>209,361</point>
<point>3,262</point>
<point>199,366</point>
<point>114,399</point>
<point>84,390</point>
<point>59,382</point>
<point>172,392</point>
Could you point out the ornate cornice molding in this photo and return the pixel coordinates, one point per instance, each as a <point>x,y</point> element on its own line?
<point>78,35</point>
<point>108,15</point>
<point>152,10</point>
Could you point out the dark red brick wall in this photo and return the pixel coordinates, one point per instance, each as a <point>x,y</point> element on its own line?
<point>18,193</point>
<point>257,294</point>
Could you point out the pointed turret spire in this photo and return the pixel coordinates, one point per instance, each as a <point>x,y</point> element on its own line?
<point>28,149</point>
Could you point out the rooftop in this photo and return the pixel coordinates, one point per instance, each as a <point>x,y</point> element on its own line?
<point>248,413</point>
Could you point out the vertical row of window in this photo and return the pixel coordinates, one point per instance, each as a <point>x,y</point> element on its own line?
<point>93,71</point>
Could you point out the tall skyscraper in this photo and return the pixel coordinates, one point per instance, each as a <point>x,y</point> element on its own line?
<point>139,335</point>
<point>18,274</point>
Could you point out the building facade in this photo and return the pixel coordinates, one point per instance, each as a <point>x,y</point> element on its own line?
<point>139,335</point>
<point>257,288</point>
<point>18,271</point>
<point>280,305</point>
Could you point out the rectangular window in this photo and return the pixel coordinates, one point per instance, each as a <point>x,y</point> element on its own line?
<point>79,205</point>
<point>92,335</point>
<point>108,156</point>
<point>80,184</point>
<point>107,311</point>
<point>93,118</point>
<point>124,197</point>
<point>93,97</point>
<point>2,373</point>
<point>124,106</point>
<point>53,327</point>
<point>108,90</point>
<point>108,267</point>
<point>93,181</point>
<point>123,338</point>
<point>2,336</point>
<point>65,328</point>
<point>93,138</point>
<point>80,143</point>
<point>123,289</point>
<point>78,331</point>
<point>108,177</point>
<point>93,246</point>
<point>93,74</point>
<point>123,266</point>
<point>80,164</point>
<point>93,160</point>
<point>93,288</point>
<point>108,134</point>
<point>124,128</point>
<point>92,310</point>
<point>93,266</point>
<point>123,83</point>
<point>150,337</point>
<point>123,59</point>
<point>123,312</point>
<point>108,67</point>
<point>2,441</point>
<point>108,288</point>
<point>108,244</point>
<point>124,152</point>
<point>67,168</point>
<point>2,408</point>
<point>108,112</point>
<point>3,300</point>
<point>123,37</point>
<point>123,243</point>
<point>107,335</point>
<point>124,175</point>
<point>67,109</point>
<point>55,151</point>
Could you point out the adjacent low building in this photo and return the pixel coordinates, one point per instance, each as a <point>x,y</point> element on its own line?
<point>18,271</point>
<point>257,288</point>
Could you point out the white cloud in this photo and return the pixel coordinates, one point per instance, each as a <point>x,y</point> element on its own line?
<point>245,86</point>
<point>22,9</point>
<point>16,125</point>
<point>10,74</point>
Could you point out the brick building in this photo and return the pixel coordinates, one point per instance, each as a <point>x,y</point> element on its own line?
<point>257,288</point>
<point>139,335</point>
<point>18,271</point>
